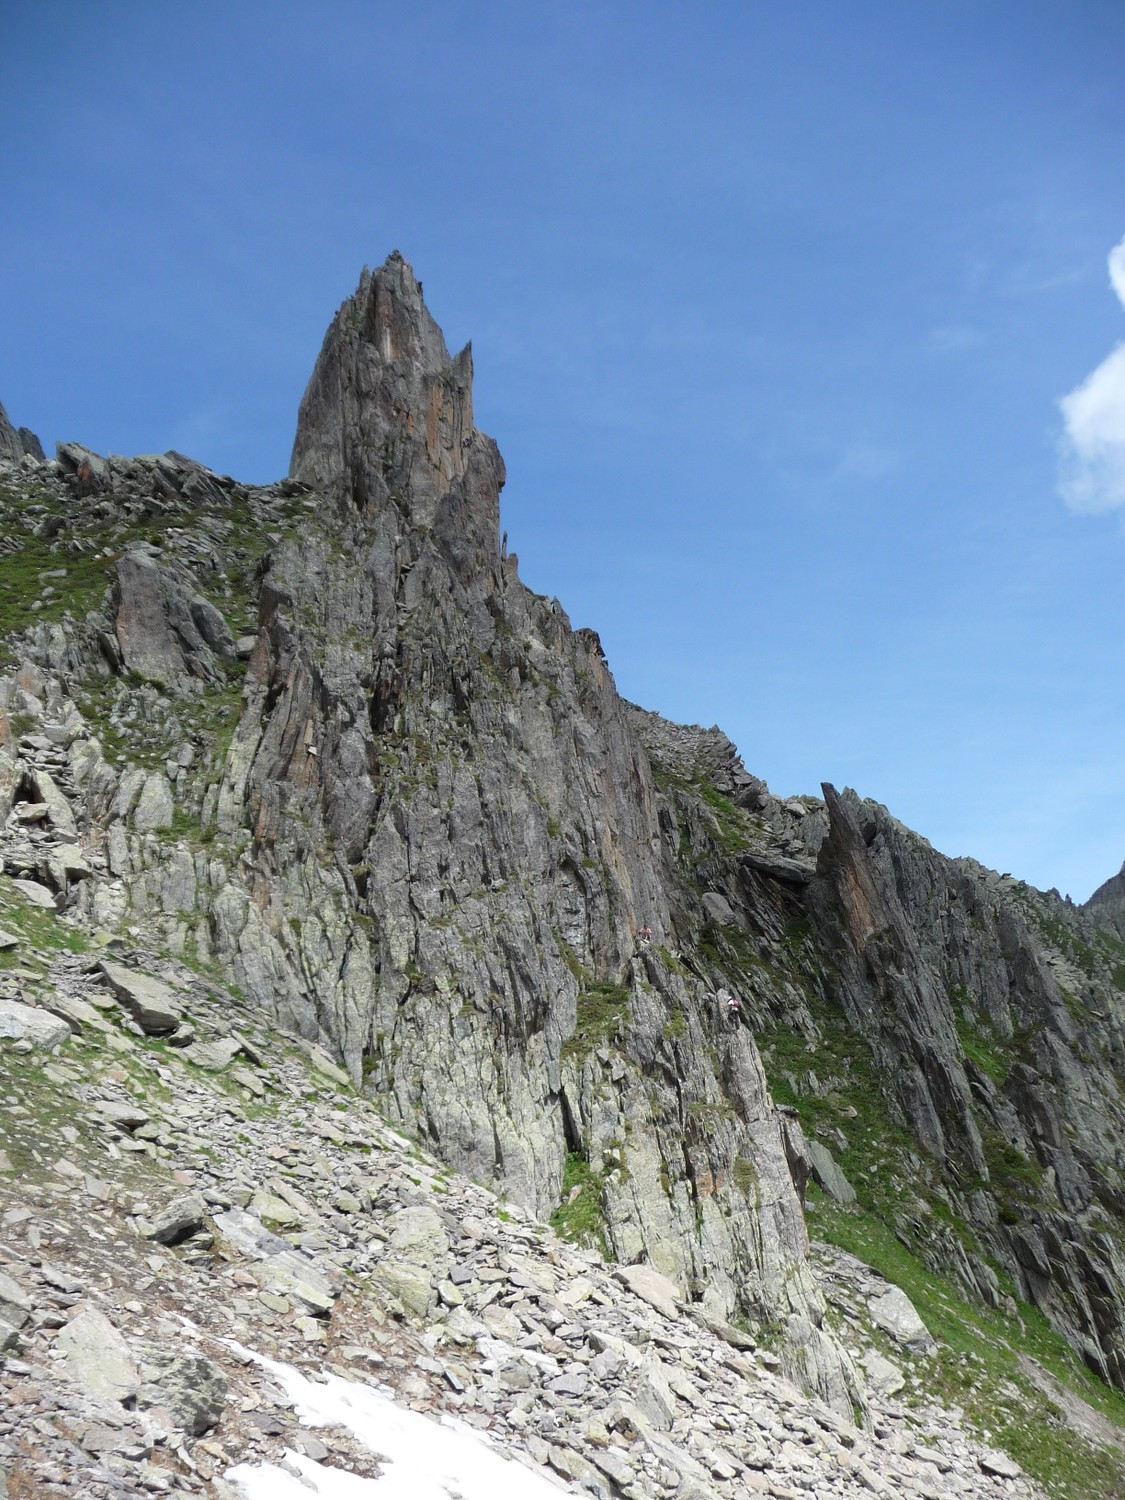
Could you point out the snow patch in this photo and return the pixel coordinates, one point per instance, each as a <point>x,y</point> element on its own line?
<point>423,1458</point>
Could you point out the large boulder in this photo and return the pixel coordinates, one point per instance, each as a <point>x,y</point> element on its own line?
<point>896,1315</point>
<point>27,1023</point>
<point>180,1217</point>
<point>97,1358</point>
<point>828,1173</point>
<point>151,1004</point>
<point>652,1286</point>
<point>185,1384</point>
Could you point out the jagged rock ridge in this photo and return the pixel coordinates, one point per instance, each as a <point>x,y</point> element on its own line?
<point>1107,905</point>
<point>421,826</point>
<point>495,819</point>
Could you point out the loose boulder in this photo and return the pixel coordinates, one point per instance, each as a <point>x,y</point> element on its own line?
<point>27,1023</point>
<point>179,1218</point>
<point>97,1358</point>
<point>150,1003</point>
<point>185,1384</point>
<point>896,1315</point>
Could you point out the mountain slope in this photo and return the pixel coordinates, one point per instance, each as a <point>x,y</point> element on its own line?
<point>317,740</point>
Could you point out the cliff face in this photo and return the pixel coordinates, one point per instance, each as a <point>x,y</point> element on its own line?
<point>1106,907</point>
<point>994,1013</point>
<point>496,846</point>
<point>319,739</point>
<point>428,833</point>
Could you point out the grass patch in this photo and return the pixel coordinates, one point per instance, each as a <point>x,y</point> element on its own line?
<point>579,1217</point>
<point>975,1366</point>
<point>38,928</point>
<point>991,1055</point>
<point>603,1012</point>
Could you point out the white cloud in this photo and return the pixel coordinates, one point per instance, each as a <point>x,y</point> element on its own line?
<point>1117,270</point>
<point>1092,449</point>
<point>953,339</point>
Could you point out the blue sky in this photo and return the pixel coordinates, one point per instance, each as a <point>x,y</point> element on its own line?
<point>772,308</point>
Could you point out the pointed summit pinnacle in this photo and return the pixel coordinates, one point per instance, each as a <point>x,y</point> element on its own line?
<point>387,412</point>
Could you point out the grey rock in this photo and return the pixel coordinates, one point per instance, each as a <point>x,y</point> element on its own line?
<point>896,1315</point>
<point>828,1173</point>
<point>155,806</point>
<point>166,633</point>
<point>78,1013</point>
<point>718,909</point>
<point>248,1234</point>
<point>654,1396</point>
<point>86,469</point>
<point>37,894</point>
<point>97,1358</point>
<point>150,1002</point>
<point>1107,905</point>
<point>214,1056</point>
<point>16,442</point>
<point>15,1310</point>
<point>282,1268</point>
<point>124,1116</point>
<point>418,1235</point>
<point>992,1461</point>
<point>186,1384</point>
<point>28,1023</point>
<point>44,789</point>
<point>883,1375</point>
<point>411,1284</point>
<point>67,865</point>
<point>653,1286</point>
<point>180,1217</point>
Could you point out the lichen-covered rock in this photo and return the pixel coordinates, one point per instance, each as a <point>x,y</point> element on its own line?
<point>185,1383</point>
<point>152,1004</point>
<point>97,1358</point>
<point>28,1023</point>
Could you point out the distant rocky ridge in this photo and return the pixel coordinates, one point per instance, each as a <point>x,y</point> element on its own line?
<point>1107,905</point>
<point>317,740</point>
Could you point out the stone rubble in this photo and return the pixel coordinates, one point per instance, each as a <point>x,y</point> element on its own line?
<point>170,1217</point>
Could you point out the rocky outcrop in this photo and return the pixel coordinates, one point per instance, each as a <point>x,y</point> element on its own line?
<point>497,848</point>
<point>993,1013</point>
<point>16,442</point>
<point>166,633</point>
<point>318,738</point>
<point>1106,906</point>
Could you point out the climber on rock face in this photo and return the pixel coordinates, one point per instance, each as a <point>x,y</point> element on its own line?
<point>734,1008</point>
<point>644,934</point>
